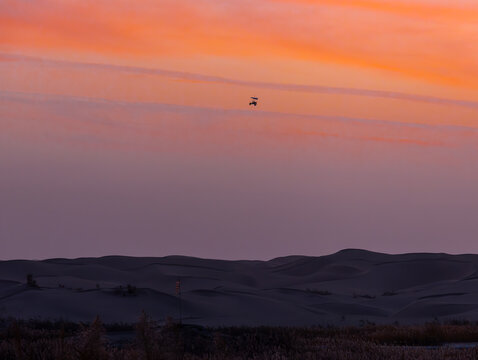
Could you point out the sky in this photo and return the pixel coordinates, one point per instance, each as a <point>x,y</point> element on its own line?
<point>125,127</point>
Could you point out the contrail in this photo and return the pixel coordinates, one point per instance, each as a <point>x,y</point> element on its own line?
<point>318,89</point>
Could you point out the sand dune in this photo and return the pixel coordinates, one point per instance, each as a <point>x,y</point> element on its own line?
<point>347,287</point>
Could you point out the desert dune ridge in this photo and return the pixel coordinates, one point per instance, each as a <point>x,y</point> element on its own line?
<point>349,287</point>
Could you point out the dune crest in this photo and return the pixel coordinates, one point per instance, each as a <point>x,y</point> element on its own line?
<point>347,287</point>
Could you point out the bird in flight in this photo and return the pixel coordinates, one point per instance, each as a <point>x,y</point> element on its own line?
<point>253,101</point>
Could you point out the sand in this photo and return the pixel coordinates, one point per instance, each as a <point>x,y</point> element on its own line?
<point>346,288</point>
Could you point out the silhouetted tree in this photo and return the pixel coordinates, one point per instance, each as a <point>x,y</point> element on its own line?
<point>91,342</point>
<point>147,338</point>
<point>131,289</point>
<point>30,281</point>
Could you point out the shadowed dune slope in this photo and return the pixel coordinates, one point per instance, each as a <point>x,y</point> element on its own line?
<point>347,287</point>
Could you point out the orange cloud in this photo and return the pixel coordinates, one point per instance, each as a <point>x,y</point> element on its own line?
<point>436,51</point>
<point>109,122</point>
<point>195,78</point>
<point>426,10</point>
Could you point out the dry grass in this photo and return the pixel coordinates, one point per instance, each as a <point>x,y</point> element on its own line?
<point>148,341</point>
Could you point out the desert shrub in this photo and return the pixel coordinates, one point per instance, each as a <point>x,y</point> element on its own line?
<point>131,290</point>
<point>365,296</point>
<point>319,292</point>
<point>30,281</point>
<point>128,290</point>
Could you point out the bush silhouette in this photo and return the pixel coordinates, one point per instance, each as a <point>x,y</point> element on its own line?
<point>131,289</point>
<point>91,343</point>
<point>30,281</point>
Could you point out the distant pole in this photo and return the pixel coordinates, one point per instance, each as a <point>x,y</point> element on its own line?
<point>178,293</point>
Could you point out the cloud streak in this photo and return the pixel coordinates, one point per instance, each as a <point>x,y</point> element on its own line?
<point>28,98</point>
<point>416,8</point>
<point>318,89</point>
<point>438,51</point>
<point>92,119</point>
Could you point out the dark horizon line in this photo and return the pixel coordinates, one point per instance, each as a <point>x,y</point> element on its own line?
<point>342,251</point>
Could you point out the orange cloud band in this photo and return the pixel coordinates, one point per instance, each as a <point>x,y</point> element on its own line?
<point>456,11</point>
<point>201,78</point>
<point>440,52</point>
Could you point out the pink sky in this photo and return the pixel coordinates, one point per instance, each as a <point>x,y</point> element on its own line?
<point>125,127</point>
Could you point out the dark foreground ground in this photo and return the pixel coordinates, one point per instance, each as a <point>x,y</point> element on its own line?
<point>146,340</point>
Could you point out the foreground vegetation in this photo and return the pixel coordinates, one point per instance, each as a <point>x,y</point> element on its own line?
<point>146,340</point>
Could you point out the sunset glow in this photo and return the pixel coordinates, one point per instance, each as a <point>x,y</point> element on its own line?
<point>117,101</point>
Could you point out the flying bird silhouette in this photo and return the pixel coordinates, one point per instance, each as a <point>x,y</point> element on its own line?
<point>254,101</point>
